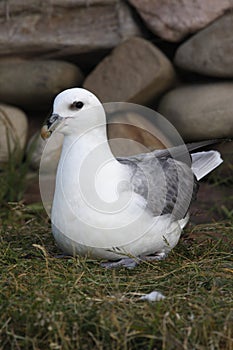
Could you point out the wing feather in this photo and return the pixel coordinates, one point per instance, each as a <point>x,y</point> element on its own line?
<point>164,180</point>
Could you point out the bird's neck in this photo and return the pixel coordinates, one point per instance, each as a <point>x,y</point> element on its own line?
<point>88,166</point>
<point>90,142</point>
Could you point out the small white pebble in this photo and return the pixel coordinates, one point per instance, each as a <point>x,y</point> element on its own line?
<point>153,296</point>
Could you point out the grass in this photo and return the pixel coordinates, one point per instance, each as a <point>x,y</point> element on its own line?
<point>49,303</point>
<point>14,171</point>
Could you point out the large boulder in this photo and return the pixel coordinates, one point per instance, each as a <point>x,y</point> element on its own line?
<point>202,111</point>
<point>173,20</point>
<point>136,71</point>
<point>44,155</point>
<point>13,130</point>
<point>34,83</point>
<point>49,149</point>
<point>63,28</point>
<point>210,51</point>
<point>132,132</point>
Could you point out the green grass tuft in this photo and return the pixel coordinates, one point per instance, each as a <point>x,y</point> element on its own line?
<point>15,169</point>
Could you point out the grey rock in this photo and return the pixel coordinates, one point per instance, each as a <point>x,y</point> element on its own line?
<point>132,133</point>
<point>49,150</point>
<point>210,51</point>
<point>173,20</point>
<point>44,156</point>
<point>34,83</point>
<point>202,111</point>
<point>62,28</point>
<point>13,130</point>
<point>136,71</point>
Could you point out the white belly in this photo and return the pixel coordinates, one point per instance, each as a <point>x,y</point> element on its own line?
<point>132,231</point>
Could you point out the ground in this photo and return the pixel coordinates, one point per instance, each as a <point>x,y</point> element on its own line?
<point>50,303</point>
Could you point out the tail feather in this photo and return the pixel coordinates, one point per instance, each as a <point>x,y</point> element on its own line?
<point>204,162</point>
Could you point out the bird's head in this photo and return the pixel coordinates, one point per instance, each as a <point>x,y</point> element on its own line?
<point>74,111</point>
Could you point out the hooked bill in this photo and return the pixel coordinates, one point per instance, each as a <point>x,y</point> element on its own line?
<point>45,132</point>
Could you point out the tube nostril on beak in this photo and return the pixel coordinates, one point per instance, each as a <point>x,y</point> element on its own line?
<point>54,117</point>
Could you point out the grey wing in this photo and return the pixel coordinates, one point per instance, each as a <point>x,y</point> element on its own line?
<point>167,185</point>
<point>180,152</point>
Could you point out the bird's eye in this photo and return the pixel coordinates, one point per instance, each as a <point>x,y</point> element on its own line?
<point>77,104</point>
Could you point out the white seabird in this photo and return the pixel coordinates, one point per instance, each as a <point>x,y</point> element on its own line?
<point>123,210</point>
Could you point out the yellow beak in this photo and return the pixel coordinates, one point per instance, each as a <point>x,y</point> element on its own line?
<point>45,133</point>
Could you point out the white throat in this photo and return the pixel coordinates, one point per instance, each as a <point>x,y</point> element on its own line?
<point>92,168</point>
